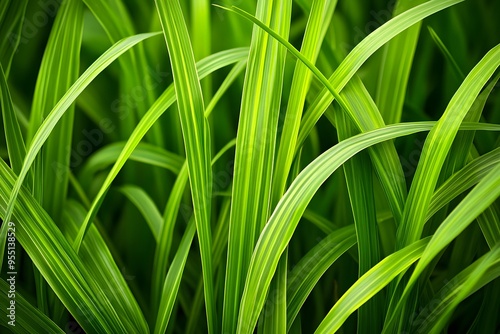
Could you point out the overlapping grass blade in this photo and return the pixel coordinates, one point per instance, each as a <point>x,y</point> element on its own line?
<point>369,284</point>
<point>307,272</point>
<point>481,272</point>
<point>281,225</point>
<point>196,133</point>
<point>60,108</point>
<point>59,69</point>
<point>58,263</point>
<point>99,262</point>
<point>255,147</point>
<point>437,145</point>
<point>29,319</point>
<point>205,67</point>
<point>482,196</point>
<point>173,279</point>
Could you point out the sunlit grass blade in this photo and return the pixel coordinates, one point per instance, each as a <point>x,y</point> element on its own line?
<point>255,149</point>
<point>61,107</point>
<point>436,146</point>
<point>434,317</point>
<point>50,252</point>
<point>205,67</point>
<point>311,45</point>
<point>280,227</point>
<point>369,284</point>
<point>196,133</point>
<point>482,196</point>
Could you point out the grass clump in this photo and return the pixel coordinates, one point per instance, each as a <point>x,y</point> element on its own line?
<point>272,165</point>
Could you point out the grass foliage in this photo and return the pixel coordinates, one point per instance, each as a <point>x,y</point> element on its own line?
<point>269,166</point>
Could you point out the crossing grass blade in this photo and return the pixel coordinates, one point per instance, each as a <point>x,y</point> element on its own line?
<point>64,103</point>
<point>62,55</point>
<point>482,196</point>
<point>255,147</point>
<point>196,133</point>
<point>437,145</point>
<point>48,249</point>
<point>307,272</point>
<point>370,283</point>
<point>205,67</point>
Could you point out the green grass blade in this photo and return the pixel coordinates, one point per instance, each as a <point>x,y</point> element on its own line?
<point>395,68</point>
<point>369,284</point>
<point>280,227</point>
<point>482,196</point>
<point>321,13</point>
<point>58,263</point>
<point>144,153</point>
<point>196,135</point>
<point>99,261</point>
<point>313,265</point>
<point>205,67</point>
<point>437,145</point>
<point>29,319</point>
<point>60,108</point>
<point>255,149</point>
<point>11,20</point>
<point>173,280</point>
<point>59,69</point>
<point>146,206</point>
<point>13,135</point>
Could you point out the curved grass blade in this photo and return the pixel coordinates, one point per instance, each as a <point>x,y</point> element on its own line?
<point>307,272</point>
<point>100,263</point>
<point>144,152</point>
<point>478,275</point>
<point>255,150</point>
<point>369,284</point>
<point>60,108</point>
<point>482,196</point>
<point>196,133</point>
<point>205,67</point>
<point>146,206</point>
<point>280,227</point>
<point>59,265</point>
<point>436,146</point>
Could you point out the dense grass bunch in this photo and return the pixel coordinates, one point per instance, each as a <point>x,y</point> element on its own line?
<point>269,166</point>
